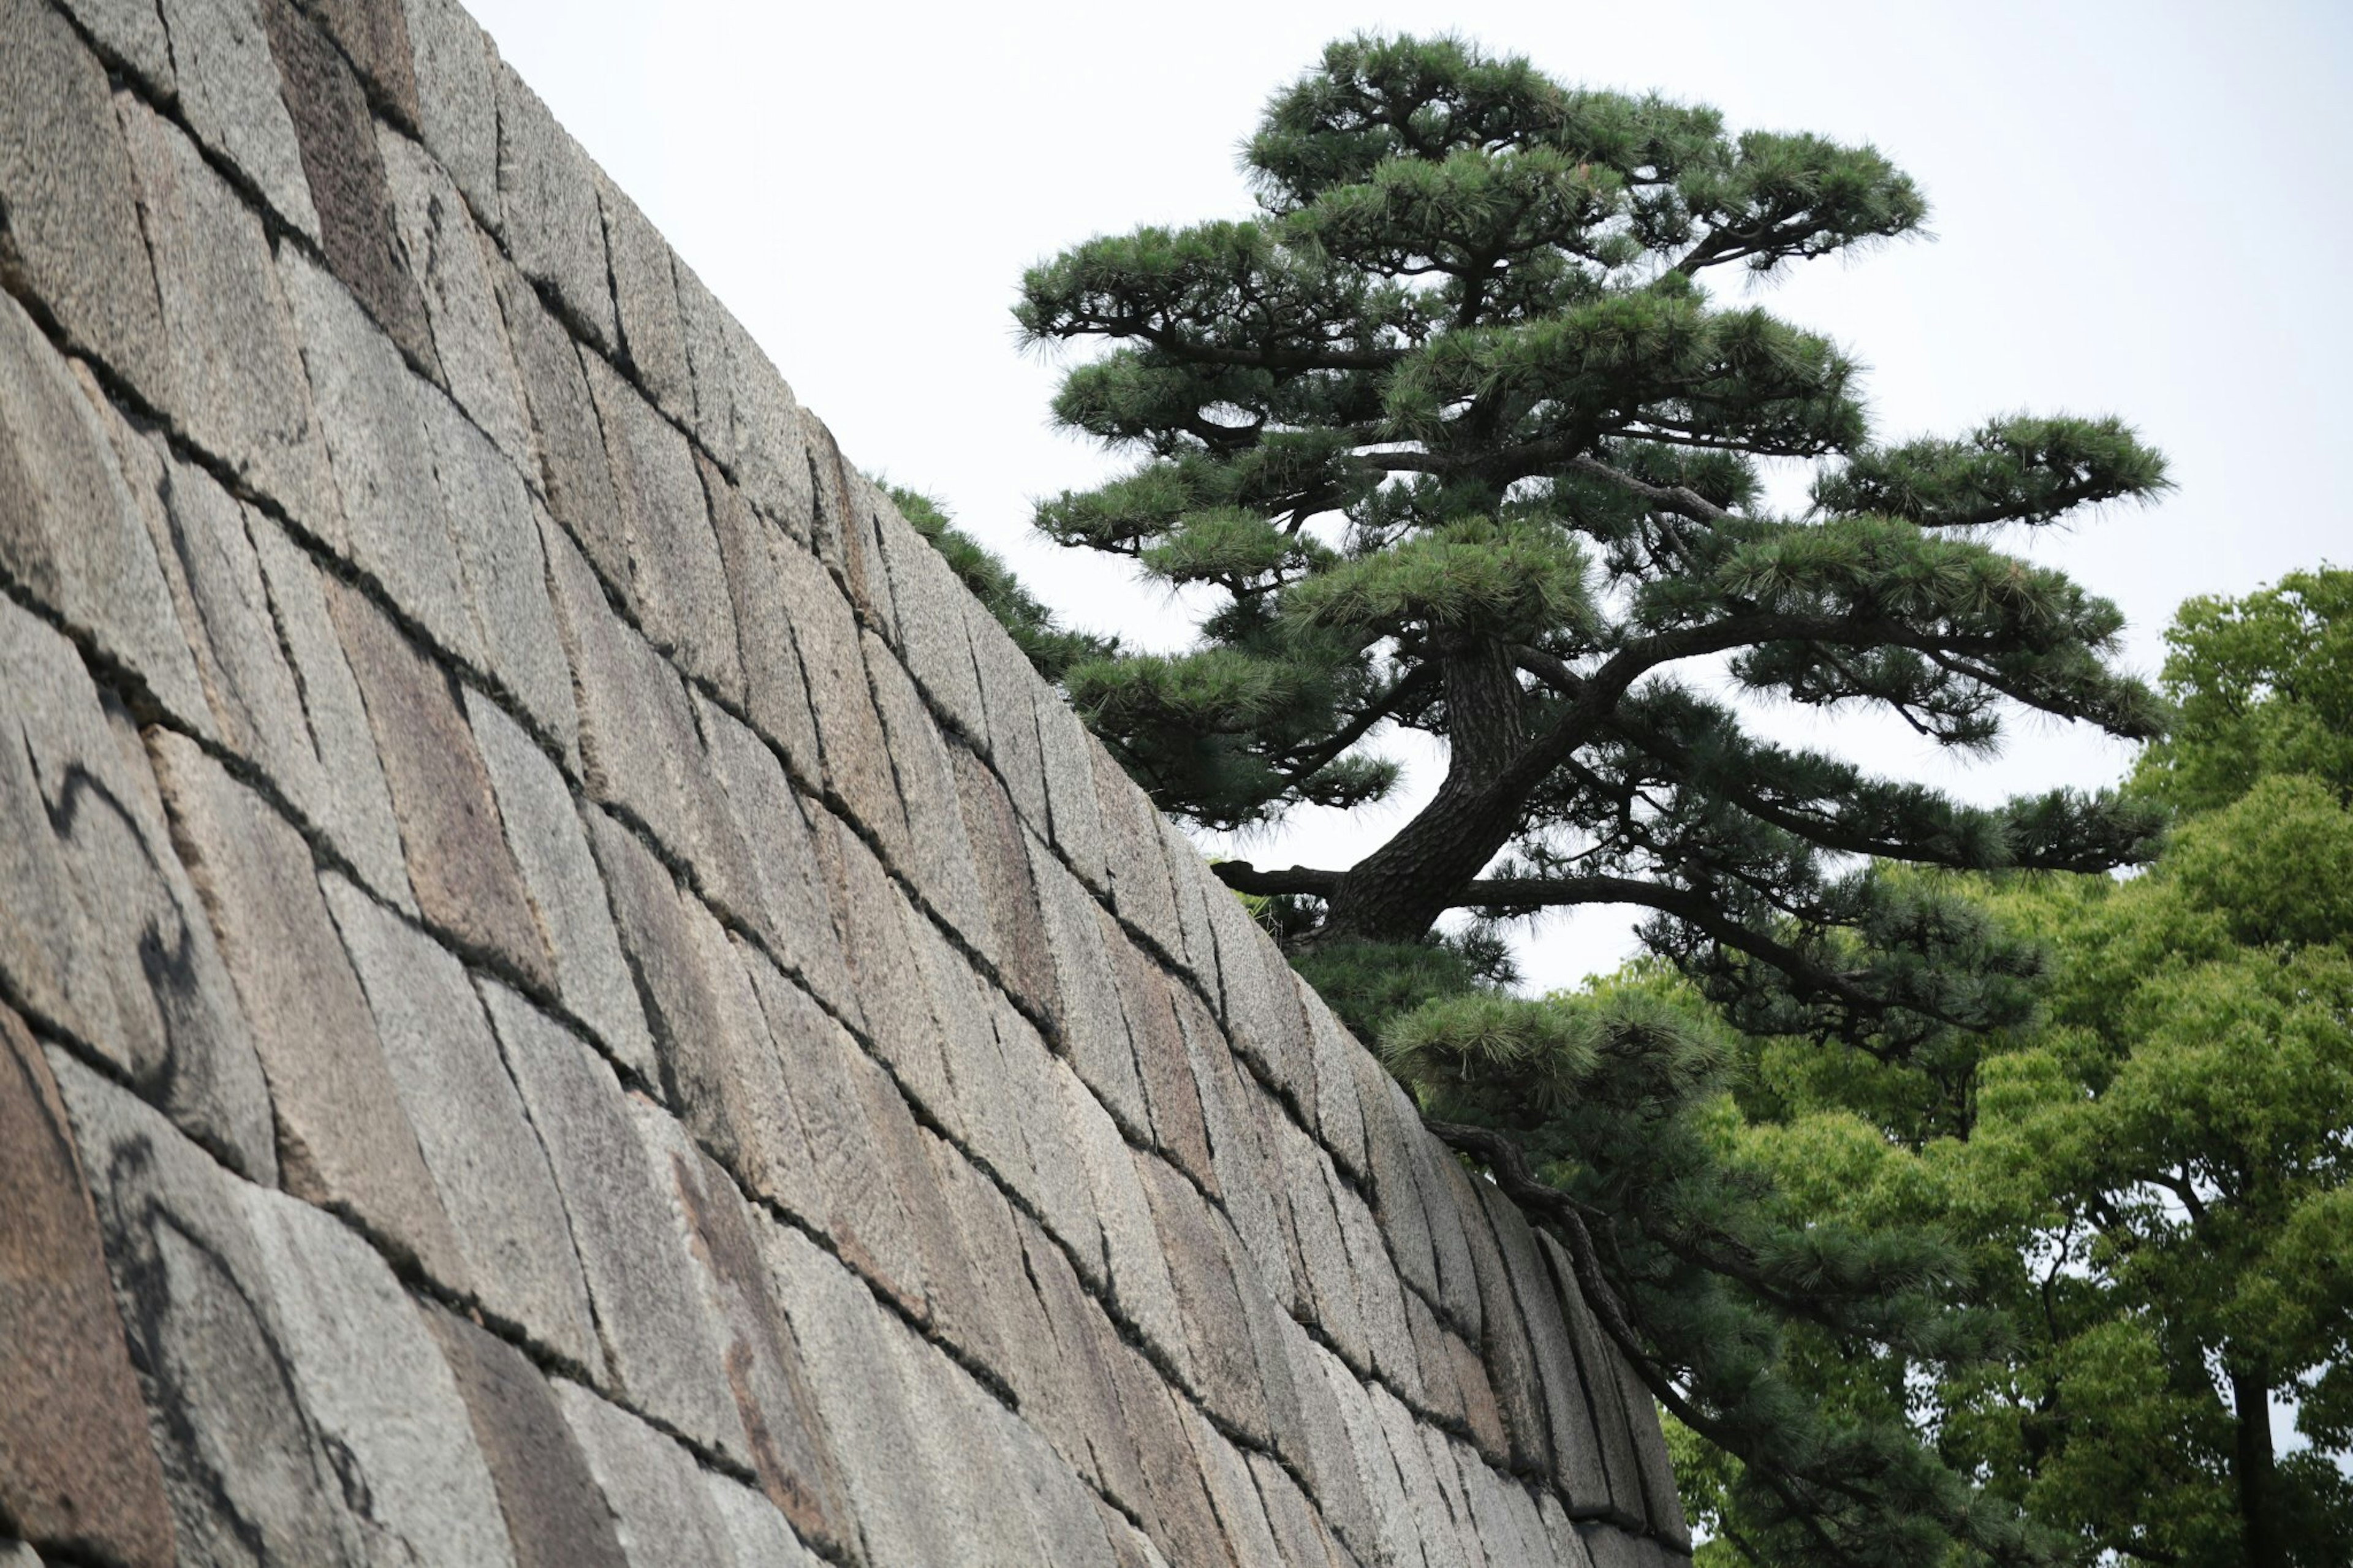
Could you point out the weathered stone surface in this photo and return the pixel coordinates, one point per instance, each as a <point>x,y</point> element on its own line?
<point>237,387</point>
<point>1016,941</point>
<point>1433,1353</point>
<point>1328,1283</point>
<point>704,325</point>
<point>1015,1341</point>
<point>1247,1166</point>
<point>343,1139</point>
<point>69,215</point>
<point>676,584</point>
<point>940,862</point>
<point>465,879</point>
<point>1240,1516</point>
<point>1093,1032</point>
<point>1225,1366</point>
<point>1063,1515</point>
<point>101,930</point>
<point>336,136</point>
<point>1083,1339</point>
<point>132,31</point>
<point>1395,1538</point>
<point>772,456</point>
<point>1331,1471</point>
<point>656,1335</point>
<point>1261,1009</point>
<point>1182,1523</point>
<point>1392,1126</point>
<point>1576,1464</point>
<point>645,297</point>
<point>71,533</point>
<point>1058,1191</point>
<point>862,570</point>
<point>1138,1272</point>
<point>555,1515</point>
<point>230,91</point>
<point>1192,886</point>
<point>1066,751</point>
<point>661,1509</point>
<point>1603,1382</point>
<point>461,306</point>
<point>492,520</point>
<point>1339,1064</point>
<point>548,213</point>
<point>551,848</point>
<point>456,98</point>
<point>930,602</point>
<point>375,33</point>
<point>764,1372</point>
<point>355,808</point>
<point>245,1472</point>
<point>1301,1539</point>
<point>1480,1410</point>
<point>1437,1175</point>
<point>1378,1294</point>
<point>1136,861</point>
<point>775,689</point>
<point>1446,1470</point>
<point>884,971</point>
<point>1607,1546</point>
<point>77,1468</point>
<point>367,403</point>
<point>631,706</point>
<point>755,1531</point>
<point>371,1378</point>
<point>1163,1062</point>
<point>490,1171</point>
<point>1432,1519</point>
<point>1008,694</point>
<point>849,734</point>
<point>573,472</point>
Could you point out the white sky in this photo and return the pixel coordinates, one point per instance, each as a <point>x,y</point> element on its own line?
<point>2139,209</point>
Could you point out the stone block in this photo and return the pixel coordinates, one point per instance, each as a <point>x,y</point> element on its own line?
<point>71,535</point>
<point>77,1468</point>
<point>547,209</point>
<point>1445,1470</point>
<point>863,574</point>
<point>1340,1062</point>
<point>230,93</point>
<point>1129,1547</point>
<point>490,1172</point>
<point>1140,1285</point>
<point>456,98</point>
<point>101,934</point>
<point>1392,1125</point>
<point>1618,1408</point>
<point>658,1337</point>
<point>355,809</point>
<point>1065,751</point>
<point>631,705</point>
<point>704,328</point>
<point>1440,1178</point>
<point>375,34</point>
<point>849,734</point>
<point>772,456</point>
<point>930,602</point>
<point>1182,1523</point>
<point>1328,1284</point>
<point>68,210</point>
<point>496,530</point>
<point>1080,1338</point>
<point>1576,1463</point>
<point>1379,1296</point>
<point>884,970</point>
<point>1262,1012</point>
<point>1163,1062</point>
<point>368,408</point>
<point>1480,1411</point>
<point>237,382</point>
<point>1058,1190</point>
<point>677,582</point>
<point>461,305</point>
<point>555,1514</point>
<point>939,860</point>
<point>1249,1177</point>
<point>1330,1470</point>
<point>374,1384</point>
<point>645,297</point>
<point>661,1509</point>
<point>1093,1032</point>
<point>133,32</point>
<point>1135,860</point>
<point>755,1531</point>
<point>1008,694</point>
<point>465,879</point>
<point>1064,1516</point>
<point>1016,941</point>
<point>1301,1539</point>
<point>963,1308</point>
<point>976,1112</point>
<point>1431,1519</point>
<point>1394,1538</point>
<point>336,136</point>
<point>1225,1366</point>
<point>1014,1342</point>
<point>1241,1518</point>
<point>573,472</point>
<point>1433,1352</point>
<point>1191,885</point>
<point>775,689</point>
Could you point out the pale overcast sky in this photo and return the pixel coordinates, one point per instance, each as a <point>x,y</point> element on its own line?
<point>2139,209</point>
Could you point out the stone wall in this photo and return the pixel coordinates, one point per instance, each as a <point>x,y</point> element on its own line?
<point>569,998</point>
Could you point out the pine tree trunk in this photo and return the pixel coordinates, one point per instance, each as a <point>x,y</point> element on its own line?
<point>2253,1471</point>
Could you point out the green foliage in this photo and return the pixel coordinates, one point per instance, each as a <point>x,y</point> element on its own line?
<point>1051,647</point>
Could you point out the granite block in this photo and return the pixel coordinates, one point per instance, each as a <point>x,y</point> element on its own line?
<point>1191,885</point>
<point>1065,751</point>
<point>1480,1411</point>
<point>573,472</point>
<point>1017,1344</point>
<point>961,1308</point>
<point>245,1470</point>
<point>1182,1523</point>
<point>771,459</point>
<point>490,1172</point>
<point>1246,1164</point>
<point>1260,1011</point>
<point>975,1111</point>
<point>930,602</point>
<point>657,1334</point>
<point>1065,1520</point>
<point>863,572</point>
<point>1433,1353</point>
<point>456,98</point>
<point>547,209</point>
<point>776,689</point>
<point>635,724</point>
<point>1163,1058</point>
<point>645,296</point>
<point>1241,1518</point>
<point>368,408</point>
<point>133,32</point>
<point>1058,1191</point>
<point>1432,1522</point>
<point>373,1382</point>
<point>1440,1177</point>
<point>1140,1286</point>
<point>1093,1030</point>
<point>1445,1470</point>
<point>336,137</point>
<point>1576,1463</point>
<point>237,388</point>
<point>1300,1538</point>
<point>878,938</point>
<point>68,208</point>
<point>355,811</point>
<point>677,583</point>
<point>703,329</point>
<point>461,305</point>
<point>1225,1367</point>
<point>849,734</point>
<point>1340,1062</point>
<point>755,1531</point>
<point>1328,1284</point>
<point>662,1510</point>
<point>492,519</point>
<point>555,1514</point>
<point>939,861</point>
<point>1604,1384</point>
<point>1137,860</point>
<point>1016,943</point>
<point>1081,1338</point>
<point>375,34</point>
<point>1392,1127</point>
<point>1331,1476</point>
<point>1379,1296</point>
<point>77,1468</point>
<point>71,533</point>
<point>230,93</point>
<point>1008,695</point>
<point>466,878</point>
<point>1394,1538</point>
<point>101,934</point>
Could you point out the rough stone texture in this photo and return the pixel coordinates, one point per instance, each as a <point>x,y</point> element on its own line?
<point>338,144</point>
<point>230,93</point>
<point>755,1531</point>
<point>574,473</point>
<point>624,692</point>
<point>775,689</point>
<point>1066,754</point>
<point>1575,1448</point>
<point>1016,941</point>
<point>132,31</point>
<point>375,33</point>
<point>77,1468</point>
<point>849,734</point>
<point>488,1169</point>
<point>101,935</point>
<point>940,862</point>
<point>645,298</point>
<point>661,1508</point>
<point>69,216</point>
<point>465,879</point>
<point>456,98</point>
<point>1093,1032</point>
<point>931,638</point>
<point>1007,684</point>
<point>548,212</point>
<point>1135,858</point>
